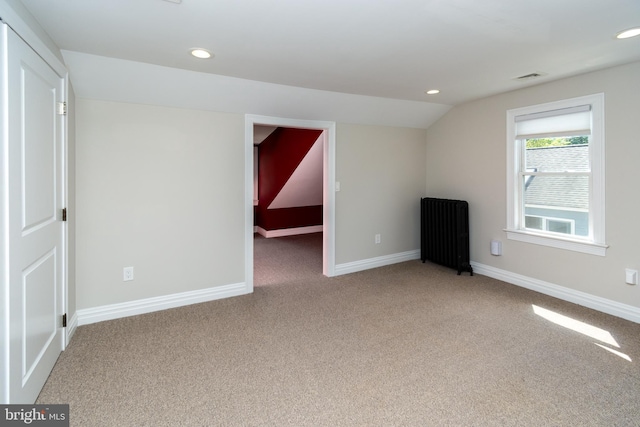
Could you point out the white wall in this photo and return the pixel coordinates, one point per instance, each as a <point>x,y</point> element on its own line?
<point>381,173</point>
<point>160,189</point>
<point>466,159</point>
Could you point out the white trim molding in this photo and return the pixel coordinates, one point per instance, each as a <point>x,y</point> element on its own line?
<point>604,305</point>
<point>366,264</point>
<point>289,231</point>
<point>72,326</point>
<point>16,16</point>
<point>149,305</point>
<point>328,198</point>
<point>561,243</point>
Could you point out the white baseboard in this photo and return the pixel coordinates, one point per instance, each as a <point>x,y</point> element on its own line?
<point>148,305</point>
<point>289,231</point>
<point>604,305</point>
<point>352,267</point>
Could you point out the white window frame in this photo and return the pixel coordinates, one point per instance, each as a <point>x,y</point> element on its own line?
<point>546,219</point>
<point>594,243</point>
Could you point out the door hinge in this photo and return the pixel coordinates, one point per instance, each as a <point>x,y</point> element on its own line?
<point>64,214</point>
<point>62,108</point>
<point>64,320</point>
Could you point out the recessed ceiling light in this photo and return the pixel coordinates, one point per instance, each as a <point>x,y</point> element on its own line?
<point>631,32</point>
<point>200,53</point>
<point>432,91</point>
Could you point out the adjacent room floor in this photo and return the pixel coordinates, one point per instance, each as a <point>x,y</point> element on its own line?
<point>283,259</point>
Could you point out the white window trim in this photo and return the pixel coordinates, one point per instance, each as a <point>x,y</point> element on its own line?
<point>593,244</point>
<point>546,219</point>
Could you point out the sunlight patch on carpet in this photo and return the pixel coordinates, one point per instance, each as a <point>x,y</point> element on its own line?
<point>576,325</point>
<point>617,353</point>
<point>583,328</point>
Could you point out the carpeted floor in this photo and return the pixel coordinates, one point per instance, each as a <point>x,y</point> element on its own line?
<point>285,259</point>
<point>410,344</point>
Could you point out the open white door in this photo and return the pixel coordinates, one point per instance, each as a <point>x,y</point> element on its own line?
<point>35,227</point>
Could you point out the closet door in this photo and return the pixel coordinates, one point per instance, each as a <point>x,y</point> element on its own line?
<point>36,231</point>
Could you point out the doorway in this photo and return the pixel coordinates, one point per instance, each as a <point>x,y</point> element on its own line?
<point>328,197</point>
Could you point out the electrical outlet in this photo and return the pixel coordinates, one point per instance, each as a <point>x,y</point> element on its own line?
<point>377,238</point>
<point>127,274</point>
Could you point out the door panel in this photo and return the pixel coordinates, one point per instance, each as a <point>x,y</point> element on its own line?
<point>36,248</point>
<point>38,149</point>
<point>38,311</point>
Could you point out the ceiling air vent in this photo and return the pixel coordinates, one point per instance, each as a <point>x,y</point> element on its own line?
<point>530,76</point>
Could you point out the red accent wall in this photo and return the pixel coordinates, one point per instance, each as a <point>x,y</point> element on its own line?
<point>278,157</point>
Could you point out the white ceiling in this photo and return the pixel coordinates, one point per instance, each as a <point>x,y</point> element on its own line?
<point>385,48</point>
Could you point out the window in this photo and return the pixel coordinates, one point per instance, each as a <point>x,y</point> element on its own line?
<point>555,187</point>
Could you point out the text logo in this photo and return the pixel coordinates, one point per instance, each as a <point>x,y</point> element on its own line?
<point>34,415</point>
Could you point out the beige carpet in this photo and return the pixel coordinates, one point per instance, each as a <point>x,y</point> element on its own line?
<point>410,344</point>
<point>287,259</point>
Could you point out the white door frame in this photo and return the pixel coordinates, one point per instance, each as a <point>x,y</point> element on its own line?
<point>329,184</point>
<point>4,227</point>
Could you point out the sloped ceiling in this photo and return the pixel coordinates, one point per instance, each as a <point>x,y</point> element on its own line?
<point>261,132</point>
<point>304,187</point>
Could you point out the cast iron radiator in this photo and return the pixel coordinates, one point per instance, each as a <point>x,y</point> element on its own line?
<point>444,233</point>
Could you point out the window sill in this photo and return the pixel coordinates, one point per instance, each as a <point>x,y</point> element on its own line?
<point>556,242</point>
